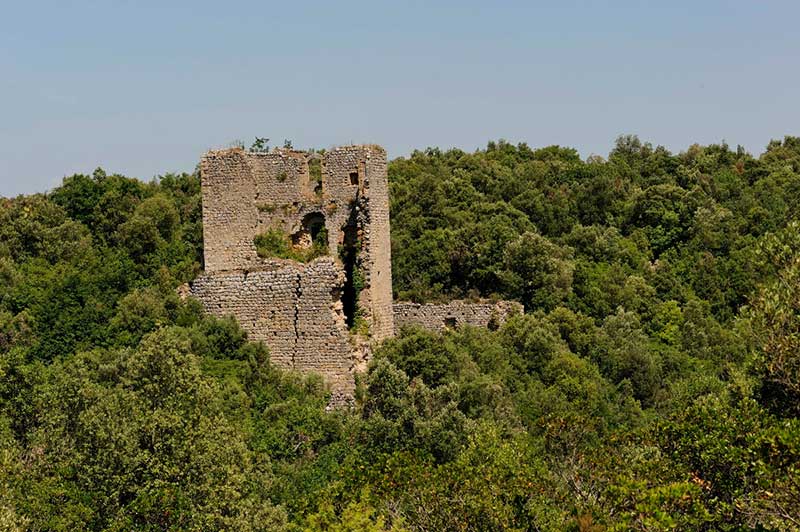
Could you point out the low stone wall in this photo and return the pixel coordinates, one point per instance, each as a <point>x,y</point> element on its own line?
<point>295,309</point>
<point>438,317</point>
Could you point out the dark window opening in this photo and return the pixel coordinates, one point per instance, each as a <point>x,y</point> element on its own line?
<point>349,255</point>
<point>316,227</point>
<point>353,178</point>
<point>450,323</point>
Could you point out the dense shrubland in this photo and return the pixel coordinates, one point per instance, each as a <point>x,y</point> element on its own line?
<point>653,384</point>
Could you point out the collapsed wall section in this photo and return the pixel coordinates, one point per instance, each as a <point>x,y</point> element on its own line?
<point>439,317</point>
<point>294,309</point>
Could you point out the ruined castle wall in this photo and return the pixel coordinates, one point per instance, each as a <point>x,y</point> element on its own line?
<point>247,193</point>
<point>340,197</point>
<point>366,165</point>
<point>294,309</point>
<point>438,317</point>
<point>263,302</point>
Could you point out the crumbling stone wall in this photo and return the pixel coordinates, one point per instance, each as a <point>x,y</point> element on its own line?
<point>438,317</point>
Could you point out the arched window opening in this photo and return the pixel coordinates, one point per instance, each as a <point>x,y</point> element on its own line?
<point>312,234</point>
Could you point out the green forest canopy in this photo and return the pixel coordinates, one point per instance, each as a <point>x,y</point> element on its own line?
<point>653,384</point>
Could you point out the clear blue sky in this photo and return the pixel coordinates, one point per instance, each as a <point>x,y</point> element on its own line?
<point>142,88</point>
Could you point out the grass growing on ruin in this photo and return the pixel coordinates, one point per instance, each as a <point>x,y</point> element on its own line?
<point>273,243</point>
<point>360,325</point>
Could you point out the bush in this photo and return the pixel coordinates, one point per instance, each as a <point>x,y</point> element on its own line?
<point>273,243</point>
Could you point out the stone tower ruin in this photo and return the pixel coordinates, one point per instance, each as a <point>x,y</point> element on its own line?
<point>305,313</point>
<point>325,314</point>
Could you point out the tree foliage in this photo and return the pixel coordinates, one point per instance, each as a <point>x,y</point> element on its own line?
<point>653,383</point>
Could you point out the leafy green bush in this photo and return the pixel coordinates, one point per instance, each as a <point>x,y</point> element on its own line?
<point>273,243</point>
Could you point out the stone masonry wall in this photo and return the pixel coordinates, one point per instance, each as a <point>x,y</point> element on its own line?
<point>438,317</point>
<point>380,257</point>
<point>293,308</point>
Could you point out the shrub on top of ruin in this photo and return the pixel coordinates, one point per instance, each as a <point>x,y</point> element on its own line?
<point>272,243</point>
<point>260,145</point>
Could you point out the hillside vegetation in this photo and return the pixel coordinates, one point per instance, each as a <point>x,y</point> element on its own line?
<point>653,384</point>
